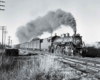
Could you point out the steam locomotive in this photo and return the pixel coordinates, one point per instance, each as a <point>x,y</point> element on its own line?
<point>65,44</point>
<point>69,45</point>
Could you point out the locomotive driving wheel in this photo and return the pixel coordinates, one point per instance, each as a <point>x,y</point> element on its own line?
<point>59,50</point>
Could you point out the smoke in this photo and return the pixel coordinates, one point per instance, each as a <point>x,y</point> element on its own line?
<point>48,23</point>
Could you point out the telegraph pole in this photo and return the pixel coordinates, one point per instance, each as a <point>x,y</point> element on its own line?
<point>9,41</point>
<point>2,28</point>
<point>2,35</point>
<point>5,32</point>
<point>2,5</point>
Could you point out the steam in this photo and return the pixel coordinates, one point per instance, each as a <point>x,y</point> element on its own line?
<point>48,23</point>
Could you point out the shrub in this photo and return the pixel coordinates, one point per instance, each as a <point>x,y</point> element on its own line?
<point>92,52</point>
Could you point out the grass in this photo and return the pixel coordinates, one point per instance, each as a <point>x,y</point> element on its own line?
<point>38,68</point>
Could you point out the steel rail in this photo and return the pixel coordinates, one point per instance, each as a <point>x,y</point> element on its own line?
<point>79,64</point>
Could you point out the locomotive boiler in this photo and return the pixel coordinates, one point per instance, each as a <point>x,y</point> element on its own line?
<point>69,45</point>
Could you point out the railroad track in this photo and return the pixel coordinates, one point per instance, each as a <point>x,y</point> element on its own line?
<point>85,61</point>
<point>82,65</point>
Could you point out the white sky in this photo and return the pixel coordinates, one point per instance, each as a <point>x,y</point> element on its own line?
<point>86,13</point>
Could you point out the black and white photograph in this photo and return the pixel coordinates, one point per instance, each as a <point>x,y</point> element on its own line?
<point>49,39</point>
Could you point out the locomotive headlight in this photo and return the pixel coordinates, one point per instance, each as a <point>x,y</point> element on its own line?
<point>78,42</point>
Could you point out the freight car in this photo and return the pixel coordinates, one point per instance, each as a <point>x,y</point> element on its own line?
<point>65,44</point>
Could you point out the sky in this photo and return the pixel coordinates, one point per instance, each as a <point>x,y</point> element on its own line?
<point>19,12</point>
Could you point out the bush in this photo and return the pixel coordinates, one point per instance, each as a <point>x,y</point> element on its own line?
<point>92,52</point>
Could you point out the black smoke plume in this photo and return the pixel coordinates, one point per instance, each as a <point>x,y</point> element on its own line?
<point>48,23</point>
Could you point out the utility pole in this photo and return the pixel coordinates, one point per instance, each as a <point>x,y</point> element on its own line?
<point>9,41</point>
<point>5,32</point>
<point>2,28</point>
<point>2,5</point>
<point>2,35</point>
